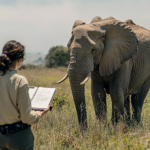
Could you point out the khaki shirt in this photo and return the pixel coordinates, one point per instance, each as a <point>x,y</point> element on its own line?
<point>15,104</point>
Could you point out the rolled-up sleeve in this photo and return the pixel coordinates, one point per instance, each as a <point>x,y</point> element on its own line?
<point>27,115</point>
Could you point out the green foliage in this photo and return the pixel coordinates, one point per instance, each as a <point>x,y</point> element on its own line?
<point>59,100</point>
<point>57,56</point>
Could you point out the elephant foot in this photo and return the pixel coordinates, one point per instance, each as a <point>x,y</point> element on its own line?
<point>122,127</point>
<point>83,126</point>
<point>118,119</point>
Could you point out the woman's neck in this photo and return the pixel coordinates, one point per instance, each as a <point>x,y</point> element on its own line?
<point>15,65</point>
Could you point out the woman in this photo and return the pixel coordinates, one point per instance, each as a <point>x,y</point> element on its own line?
<point>16,116</point>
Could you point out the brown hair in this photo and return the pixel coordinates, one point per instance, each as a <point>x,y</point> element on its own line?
<point>12,51</point>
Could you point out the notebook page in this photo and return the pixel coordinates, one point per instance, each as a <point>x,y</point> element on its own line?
<point>32,91</point>
<point>42,98</point>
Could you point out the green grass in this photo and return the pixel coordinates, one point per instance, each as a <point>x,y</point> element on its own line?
<point>59,130</point>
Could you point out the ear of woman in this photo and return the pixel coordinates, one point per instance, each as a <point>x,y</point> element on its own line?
<point>16,64</point>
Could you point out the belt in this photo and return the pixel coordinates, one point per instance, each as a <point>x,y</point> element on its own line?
<point>13,128</point>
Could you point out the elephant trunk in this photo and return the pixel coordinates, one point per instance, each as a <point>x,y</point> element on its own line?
<point>78,92</point>
<point>80,66</point>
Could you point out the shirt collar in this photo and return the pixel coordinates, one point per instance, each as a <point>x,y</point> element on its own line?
<point>12,69</point>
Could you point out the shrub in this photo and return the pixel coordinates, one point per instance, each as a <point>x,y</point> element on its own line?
<point>60,100</point>
<point>57,56</point>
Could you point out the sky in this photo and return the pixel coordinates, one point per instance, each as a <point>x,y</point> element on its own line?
<point>41,24</point>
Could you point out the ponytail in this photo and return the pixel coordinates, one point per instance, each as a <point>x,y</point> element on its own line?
<point>4,63</point>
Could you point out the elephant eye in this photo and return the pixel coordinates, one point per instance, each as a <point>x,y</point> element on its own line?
<point>92,51</point>
<point>103,37</point>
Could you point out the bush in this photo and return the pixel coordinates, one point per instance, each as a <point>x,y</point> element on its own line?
<point>60,100</point>
<point>57,56</point>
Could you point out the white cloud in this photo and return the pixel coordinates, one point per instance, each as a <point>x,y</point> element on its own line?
<point>39,27</point>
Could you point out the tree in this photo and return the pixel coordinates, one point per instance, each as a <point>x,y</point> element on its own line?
<point>57,56</point>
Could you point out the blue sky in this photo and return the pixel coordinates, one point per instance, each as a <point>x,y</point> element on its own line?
<point>41,24</point>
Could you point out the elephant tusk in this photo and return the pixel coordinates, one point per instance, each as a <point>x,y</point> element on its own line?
<point>63,79</point>
<point>86,79</point>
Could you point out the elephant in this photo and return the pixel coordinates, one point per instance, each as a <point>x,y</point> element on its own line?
<point>116,55</point>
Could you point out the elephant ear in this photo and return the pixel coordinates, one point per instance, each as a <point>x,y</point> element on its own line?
<point>109,18</point>
<point>77,23</point>
<point>96,19</point>
<point>120,44</point>
<point>129,22</point>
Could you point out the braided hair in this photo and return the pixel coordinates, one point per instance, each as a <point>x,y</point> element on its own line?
<point>12,51</point>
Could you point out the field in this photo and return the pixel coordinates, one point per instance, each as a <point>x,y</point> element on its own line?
<point>59,130</point>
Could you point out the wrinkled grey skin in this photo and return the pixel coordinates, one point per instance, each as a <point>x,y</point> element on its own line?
<point>118,56</point>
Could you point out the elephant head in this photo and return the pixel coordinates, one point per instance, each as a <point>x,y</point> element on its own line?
<point>107,43</point>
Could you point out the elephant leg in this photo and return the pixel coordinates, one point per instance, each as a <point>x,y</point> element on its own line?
<point>138,99</point>
<point>98,95</point>
<point>118,90</point>
<point>117,107</point>
<point>127,109</point>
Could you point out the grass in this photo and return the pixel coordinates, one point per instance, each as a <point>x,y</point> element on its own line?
<point>59,130</point>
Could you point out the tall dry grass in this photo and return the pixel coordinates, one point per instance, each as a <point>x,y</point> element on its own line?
<point>59,130</point>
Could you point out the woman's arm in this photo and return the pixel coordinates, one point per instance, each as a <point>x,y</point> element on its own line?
<point>24,105</point>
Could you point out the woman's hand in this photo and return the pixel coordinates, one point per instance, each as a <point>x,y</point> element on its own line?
<point>45,110</point>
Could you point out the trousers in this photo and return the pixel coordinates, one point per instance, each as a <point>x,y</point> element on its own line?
<point>21,140</point>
